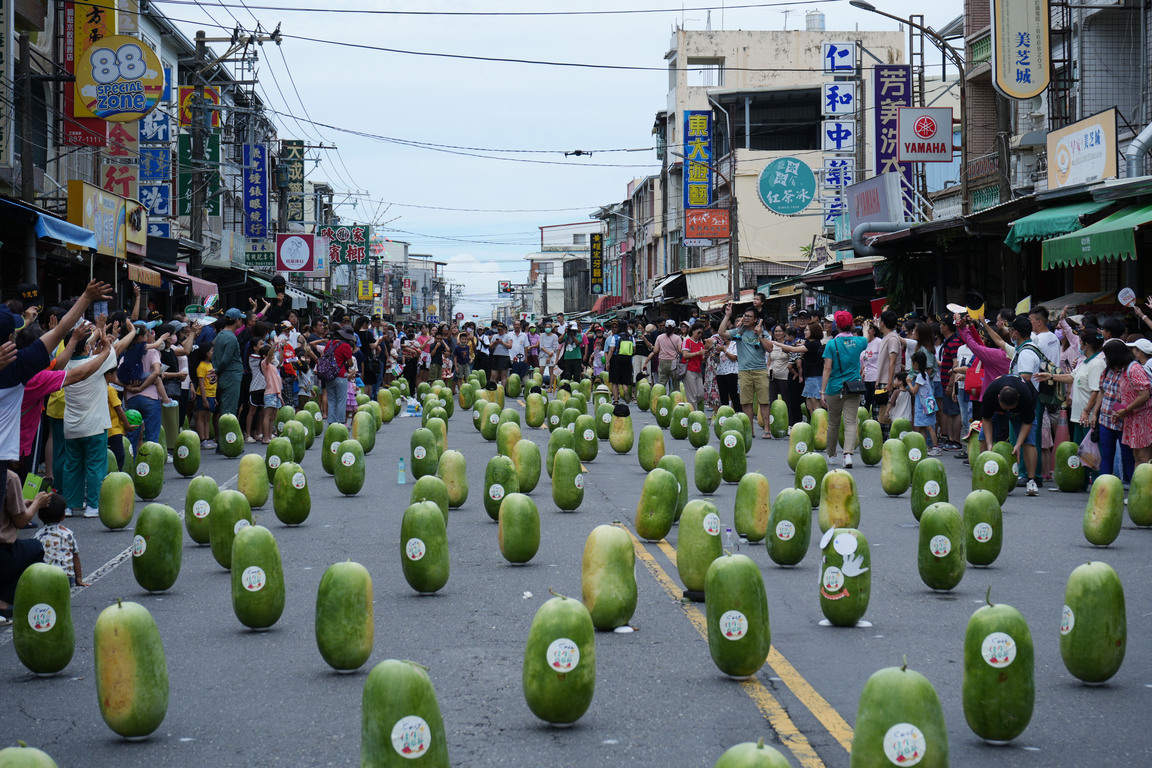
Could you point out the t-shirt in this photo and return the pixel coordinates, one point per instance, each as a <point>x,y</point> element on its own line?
<point>813,361</point>
<point>571,348</point>
<point>519,346</point>
<point>229,364</point>
<point>29,361</point>
<point>255,363</point>
<point>947,354</point>
<point>890,344</point>
<point>549,342</point>
<point>208,373</point>
<point>872,359</point>
<point>113,403</point>
<point>668,346</point>
<point>1025,410</point>
<point>86,406</point>
<point>1049,344</point>
<point>151,358</point>
<point>749,351</point>
<point>59,546</point>
<point>1026,361</point>
<point>693,363</point>
<point>844,352</point>
<point>39,387</point>
<point>272,383</point>
<point>498,345</point>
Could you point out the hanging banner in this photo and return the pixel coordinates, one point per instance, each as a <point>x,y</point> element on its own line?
<point>254,180</point>
<point>8,71</point>
<point>364,290</point>
<point>892,85</point>
<point>294,253</point>
<point>120,175</point>
<point>292,155</point>
<point>1020,52</point>
<point>118,79</point>
<point>347,243</point>
<point>596,263</point>
<point>697,159</point>
<point>85,24</point>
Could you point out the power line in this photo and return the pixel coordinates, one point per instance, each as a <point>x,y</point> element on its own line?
<point>390,12</point>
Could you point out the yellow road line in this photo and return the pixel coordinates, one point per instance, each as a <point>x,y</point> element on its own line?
<point>772,710</point>
<point>827,715</point>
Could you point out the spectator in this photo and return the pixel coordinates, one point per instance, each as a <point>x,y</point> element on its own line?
<point>666,350</point>
<point>229,366</point>
<point>946,398</point>
<point>333,370</point>
<point>888,363</point>
<point>842,386</point>
<point>1123,411</point>
<point>751,345</point>
<point>58,541</point>
<point>16,554</point>
<point>1015,399</point>
<point>273,389</point>
<point>500,354</point>
<point>86,422</point>
<point>693,353</point>
<point>205,394</point>
<point>570,353</point>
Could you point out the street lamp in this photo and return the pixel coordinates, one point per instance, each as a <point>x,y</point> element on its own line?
<point>957,61</point>
<point>733,239</point>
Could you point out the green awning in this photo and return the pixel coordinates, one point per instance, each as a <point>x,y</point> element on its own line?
<point>1050,222</point>
<point>1110,239</point>
<point>269,291</point>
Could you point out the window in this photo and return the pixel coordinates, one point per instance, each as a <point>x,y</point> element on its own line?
<point>706,73</point>
<point>775,120</point>
<point>579,238</point>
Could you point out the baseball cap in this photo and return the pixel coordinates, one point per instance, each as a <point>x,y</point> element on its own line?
<point>9,323</point>
<point>284,324</point>
<point>843,319</point>
<point>669,323</point>
<point>147,324</point>
<point>177,326</point>
<point>234,314</point>
<point>1143,345</point>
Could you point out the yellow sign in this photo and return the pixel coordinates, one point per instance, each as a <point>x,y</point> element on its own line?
<point>365,292</point>
<point>187,94</point>
<point>1083,152</point>
<point>102,212</point>
<point>136,228</point>
<point>1020,52</point>
<point>118,79</point>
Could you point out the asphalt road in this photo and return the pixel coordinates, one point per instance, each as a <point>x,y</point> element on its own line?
<point>240,698</point>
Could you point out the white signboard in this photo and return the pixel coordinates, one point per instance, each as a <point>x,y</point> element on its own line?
<point>839,58</point>
<point>838,98</point>
<point>875,200</point>
<point>838,136</point>
<point>1084,151</point>
<point>924,135</point>
<point>1020,53</point>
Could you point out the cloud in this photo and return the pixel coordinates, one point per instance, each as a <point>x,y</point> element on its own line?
<point>89,91</point>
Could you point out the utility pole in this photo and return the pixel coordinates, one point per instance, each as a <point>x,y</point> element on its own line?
<point>27,166</point>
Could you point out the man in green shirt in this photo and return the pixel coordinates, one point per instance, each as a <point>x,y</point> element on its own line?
<point>752,375</point>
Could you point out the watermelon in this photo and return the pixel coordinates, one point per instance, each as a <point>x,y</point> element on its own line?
<point>983,528</point>
<point>333,436</point>
<point>656,510</point>
<point>584,430</point>
<point>899,721</point>
<point>1094,623</point>
<point>929,485</point>
<point>733,455</point>
<point>291,497</point>
<point>720,418</point>
<point>42,631</point>
<point>424,547</point>
<point>1104,513</point>
<point>778,418</point>
<point>620,435</point>
<point>186,456</point>
<point>526,457</point>
<point>871,442</point>
<point>534,410</point>
<point>810,470</point>
<point>651,447</point>
<point>431,488</point>
<point>24,756</point>
<point>561,438</point>
<point>279,450</point>
<point>895,471</point>
<point>148,473</point>
<point>252,480</point>
<point>197,507</point>
<point>1068,473</point>
<point>799,442</point>
<point>230,514</point>
<point>736,609</point>
<point>608,577</point>
<point>400,718</point>
<point>453,470</point>
<point>257,578</point>
<point>940,555</point>
<point>845,576</point>
<point>131,671</point>
<point>753,507</point>
<point>559,677</point>
<point>999,688</point>
<point>992,472</point>
<point>567,480</point>
<point>424,453</point>
<point>519,532</point>
<point>117,500</point>
<point>232,438</point>
<point>698,542</point>
<point>900,427</point>
<point>157,547</point>
<point>1140,496</point>
<point>350,467</point>
<point>500,479</point>
<point>749,755</point>
<point>789,527</point>
<point>839,501</point>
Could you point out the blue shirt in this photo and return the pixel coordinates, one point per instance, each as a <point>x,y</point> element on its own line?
<point>749,351</point>
<point>844,352</point>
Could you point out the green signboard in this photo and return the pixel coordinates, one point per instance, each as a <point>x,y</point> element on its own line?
<point>787,185</point>
<point>184,177</point>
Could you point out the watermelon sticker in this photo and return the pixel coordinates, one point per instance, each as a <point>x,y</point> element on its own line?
<point>348,459</point>
<point>562,655</point>
<point>832,582</point>
<point>684,422</point>
<point>808,482</point>
<point>722,420</point>
<point>606,418</point>
<point>42,617</point>
<point>253,578</point>
<point>1073,462</point>
<point>719,465</point>
<point>411,736</point>
<point>901,435</point>
<point>139,545</point>
<point>555,419</point>
<point>589,434</point>
<point>1016,468</point>
<point>998,649</point>
<point>241,524</point>
<point>931,489</point>
<point>142,469</point>
<point>201,509</point>
<point>475,414</point>
<point>663,411</point>
<point>335,448</point>
<point>733,625</point>
<point>914,454</point>
<point>182,452</point>
<point>771,419</point>
<point>1067,620</point>
<point>785,530</point>
<point>712,524</point>
<point>991,467</point>
<point>801,447</point>
<point>578,481</point>
<point>982,532</point>
<point>572,427</point>
<point>279,426</point>
<point>697,426</point>
<point>496,492</point>
<point>868,443</point>
<point>904,744</point>
<point>494,418</point>
<point>298,480</point>
<point>419,452</point>
<point>940,545</point>
<point>230,437</point>
<point>730,441</point>
<point>414,549</point>
<point>274,461</point>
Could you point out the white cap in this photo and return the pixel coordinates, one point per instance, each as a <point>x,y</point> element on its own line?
<point>1143,345</point>
<point>669,323</point>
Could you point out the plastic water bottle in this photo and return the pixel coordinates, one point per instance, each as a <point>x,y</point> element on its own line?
<point>729,541</point>
<point>401,476</point>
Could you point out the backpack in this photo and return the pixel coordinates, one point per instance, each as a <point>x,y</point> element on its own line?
<point>131,367</point>
<point>1050,393</point>
<point>627,347</point>
<point>328,369</point>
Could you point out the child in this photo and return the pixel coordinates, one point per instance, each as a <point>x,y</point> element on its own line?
<point>354,385</point>
<point>924,412</point>
<point>205,395</point>
<point>59,544</point>
<point>120,425</point>
<point>305,377</point>
<point>273,386</point>
<point>900,402</point>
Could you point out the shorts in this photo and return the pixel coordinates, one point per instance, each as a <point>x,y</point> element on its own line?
<point>811,387</point>
<point>272,401</point>
<point>620,371</point>
<point>256,398</point>
<point>501,362</point>
<point>753,386</point>
<point>211,405</point>
<point>948,406</point>
<point>435,372</point>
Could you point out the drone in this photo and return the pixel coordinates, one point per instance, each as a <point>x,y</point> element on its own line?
<point>578,153</point>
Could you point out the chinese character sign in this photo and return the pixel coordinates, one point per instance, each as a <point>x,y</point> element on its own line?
<point>839,172</point>
<point>838,136</point>
<point>292,155</point>
<point>697,159</point>
<point>838,98</point>
<point>85,24</point>
<point>254,180</point>
<point>347,244</point>
<point>596,263</point>
<point>787,185</point>
<point>839,58</point>
<point>156,128</point>
<point>1020,54</point>
<point>892,84</point>
<point>119,174</point>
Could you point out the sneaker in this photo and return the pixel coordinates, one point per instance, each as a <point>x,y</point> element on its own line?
<point>208,444</point>
<point>5,621</point>
<point>78,512</point>
<point>91,512</point>
<point>1032,490</point>
<point>249,439</point>
<point>934,451</point>
<point>68,512</point>
<point>1021,482</point>
<point>848,461</point>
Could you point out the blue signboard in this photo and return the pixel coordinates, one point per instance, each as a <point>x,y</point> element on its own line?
<point>697,159</point>
<point>787,185</point>
<point>255,190</point>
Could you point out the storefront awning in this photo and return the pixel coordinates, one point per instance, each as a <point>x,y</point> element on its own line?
<point>1110,239</point>
<point>705,282</point>
<point>269,291</point>
<point>199,287</point>
<point>1074,300</point>
<point>296,295</point>
<point>659,289</point>
<point>138,273</point>
<point>54,228</point>
<point>1051,222</point>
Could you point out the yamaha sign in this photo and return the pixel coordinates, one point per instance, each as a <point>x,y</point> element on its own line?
<point>924,135</point>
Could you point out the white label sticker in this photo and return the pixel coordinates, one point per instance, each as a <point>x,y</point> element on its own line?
<point>1067,620</point>
<point>562,655</point>
<point>241,524</point>
<point>298,480</point>
<point>901,435</point>
<point>808,482</point>
<point>414,549</point>
<point>230,437</point>
<point>663,411</point>
<point>914,454</point>
<point>1016,468</point>
<point>845,544</point>
<point>572,427</point>
<point>697,426</point>
<point>722,419</point>
<point>142,469</point>
<point>335,448</point>
<point>785,530</point>
<point>348,459</point>
<point>771,419</point>
<point>496,492</point>
<point>274,461</point>
<point>476,414</point>
<point>201,509</point>
<point>712,524</point>
<point>733,625</point>
<point>940,545</point>
<point>554,419</point>
<point>419,452</point>
<point>578,481</point>
<point>684,422</point>
<point>998,649</point>
<point>868,443</point>
<point>253,578</point>
<point>720,465</point>
<point>411,737</point>
<point>182,452</point>
<point>279,426</point>
<point>833,579</point>
<point>494,418</point>
<point>801,447</point>
<point>589,434</point>
<point>931,489</point>
<point>991,467</point>
<point>904,745</point>
<point>42,617</point>
<point>139,545</point>
<point>730,441</point>
<point>982,532</point>
<point>606,418</point>
<point>1073,462</point>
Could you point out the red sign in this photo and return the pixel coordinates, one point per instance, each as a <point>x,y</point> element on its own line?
<point>295,253</point>
<point>706,223</point>
<point>878,305</point>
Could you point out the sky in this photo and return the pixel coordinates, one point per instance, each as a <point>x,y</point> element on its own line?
<point>500,173</point>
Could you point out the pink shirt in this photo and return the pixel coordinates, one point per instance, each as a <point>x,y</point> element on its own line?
<point>272,383</point>
<point>35,391</point>
<point>151,357</point>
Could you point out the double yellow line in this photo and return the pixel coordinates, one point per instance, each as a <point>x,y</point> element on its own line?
<point>772,710</point>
